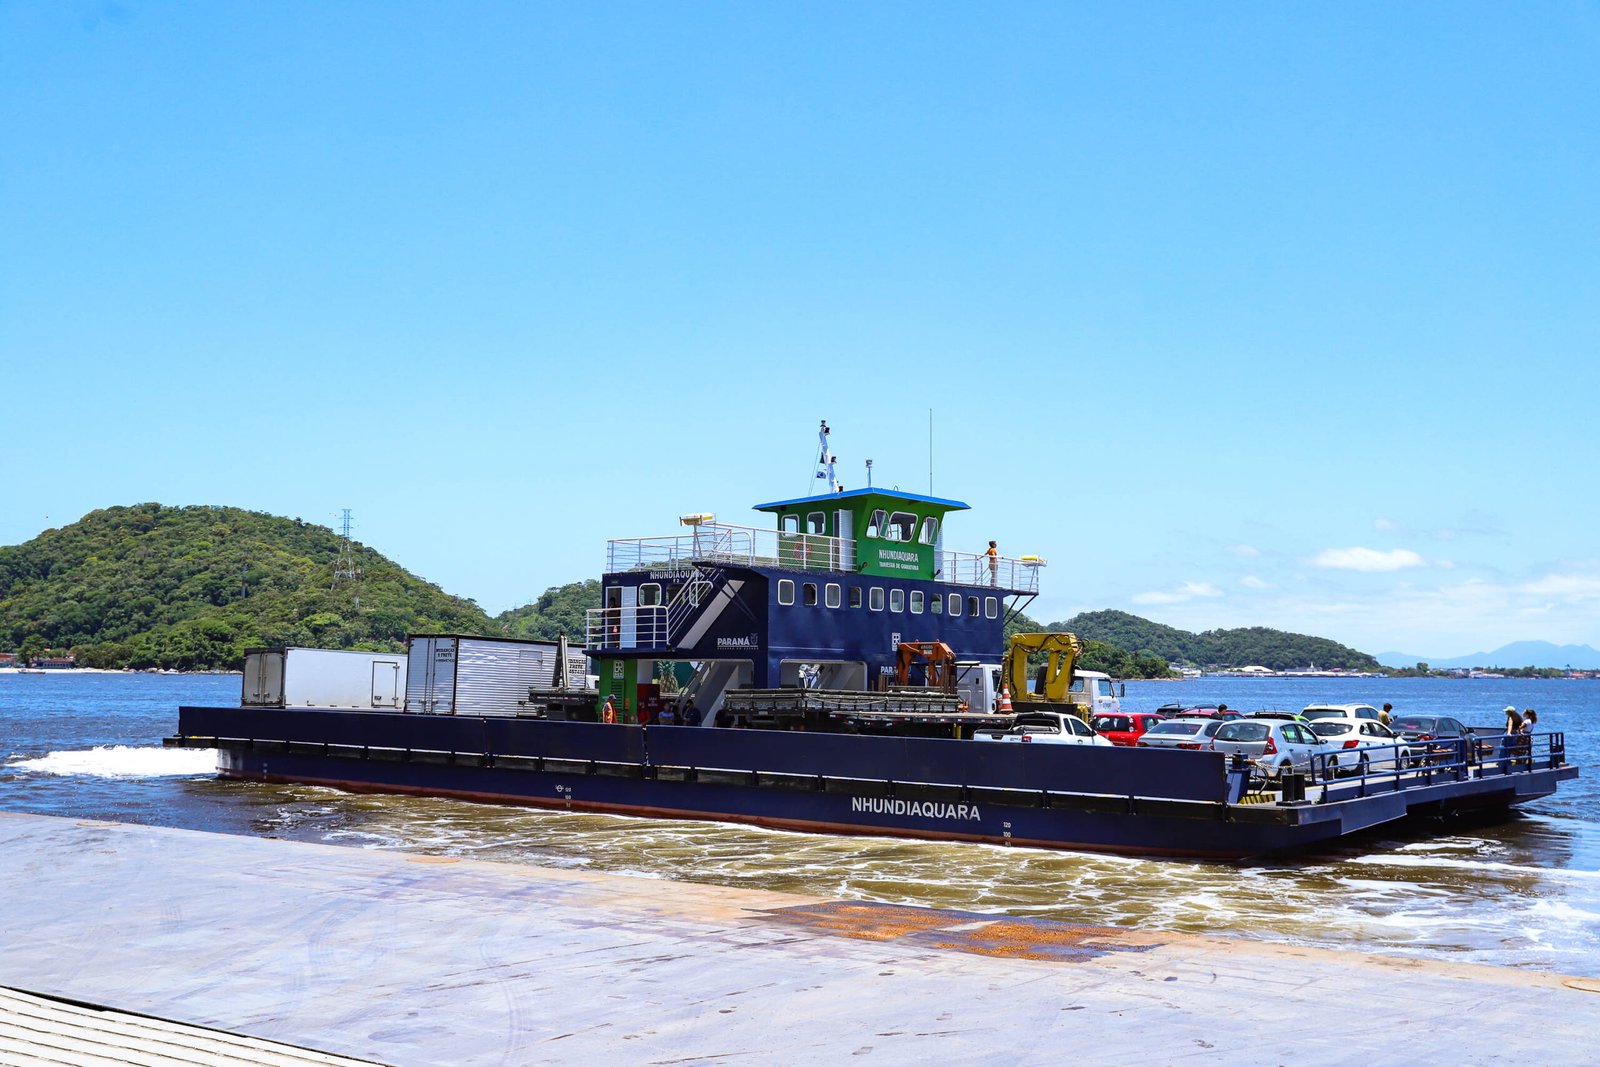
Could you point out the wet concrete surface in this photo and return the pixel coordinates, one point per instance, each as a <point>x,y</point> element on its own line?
<point>412,959</point>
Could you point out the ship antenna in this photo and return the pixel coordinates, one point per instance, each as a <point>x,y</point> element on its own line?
<point>826,460</point>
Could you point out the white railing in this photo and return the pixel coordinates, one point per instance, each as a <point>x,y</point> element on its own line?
<point>636,627</point>
<point>1002,572</point>
<point>717,543</point>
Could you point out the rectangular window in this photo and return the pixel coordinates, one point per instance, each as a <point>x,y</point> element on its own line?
<point>875,524</point>
<point>991,608</point>
<point>876,601</point>
<point>930,530</point>
<point>855,596</point>
<point>897,600</point>
<point>955,604</point>
<point>808,594</point>
<point>789,524</point>
<point>649,595</point>
<point>785,591</point>
<point>901,526</point>
<point>916,602</point>
<point>816,523</point>
<point>972,606</point>
<point>831,592</point>
<point>936,604</point>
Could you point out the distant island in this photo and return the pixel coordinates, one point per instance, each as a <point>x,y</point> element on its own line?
<point>191,588</point>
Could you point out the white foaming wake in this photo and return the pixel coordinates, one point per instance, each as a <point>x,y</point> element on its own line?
<point>120,761</point>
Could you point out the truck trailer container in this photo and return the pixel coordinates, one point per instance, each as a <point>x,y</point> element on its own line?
<point>324,678</point>
<point>454,674</point>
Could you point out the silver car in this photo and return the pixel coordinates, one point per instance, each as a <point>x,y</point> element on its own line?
<point>1272,745</point>
<point>1194,734</point>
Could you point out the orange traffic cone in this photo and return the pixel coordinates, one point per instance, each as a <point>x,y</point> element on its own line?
<point>1005,700</point>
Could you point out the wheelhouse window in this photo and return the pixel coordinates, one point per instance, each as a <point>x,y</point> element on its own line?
<point>817,523</point>
<point>916,602</point>
<point>831,594</point>
<point>855,596</point>
<point>649,594</point>
<point>930,530</point>
<point>897,600</point>
<point>785,591</point>
<point>789,524</point>
<point>808,594</point>
<point>902,524</point>
<point>876,600</point>
<point>991,608</point>
<point>876,522</point>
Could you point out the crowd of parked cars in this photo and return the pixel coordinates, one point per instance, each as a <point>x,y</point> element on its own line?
<point>1322,740</point>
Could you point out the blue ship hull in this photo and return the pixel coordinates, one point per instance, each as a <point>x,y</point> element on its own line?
<point>1110,800</point>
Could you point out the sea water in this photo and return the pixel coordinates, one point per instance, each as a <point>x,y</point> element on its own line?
<point>1523,892</point>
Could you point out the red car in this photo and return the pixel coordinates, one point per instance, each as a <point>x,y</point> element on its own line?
<point>1126,727</point>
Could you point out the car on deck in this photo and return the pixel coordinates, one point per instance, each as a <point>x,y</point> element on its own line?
<point>1272,745</point>
<point>1124,728</point>
<point>1365,745</point>
<point>1313,712</point>
<point>1192,733</point>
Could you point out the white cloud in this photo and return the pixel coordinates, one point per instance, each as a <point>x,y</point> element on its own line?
<point>1250,581</point>
<point>1244,551</point>
<point>1366,559</point>
<point>1385,525</point>
<point>1184,593</point>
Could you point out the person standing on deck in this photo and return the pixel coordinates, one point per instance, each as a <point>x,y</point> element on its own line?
<point>994,563</point>
<point>1383,716</point>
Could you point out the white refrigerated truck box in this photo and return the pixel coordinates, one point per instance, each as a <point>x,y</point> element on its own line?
<point>324,678</point>
<point>452,674</point>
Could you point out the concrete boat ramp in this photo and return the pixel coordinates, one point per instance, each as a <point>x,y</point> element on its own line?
<point>406,959</point>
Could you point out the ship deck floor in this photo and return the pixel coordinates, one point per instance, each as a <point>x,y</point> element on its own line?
<point>411,959</point>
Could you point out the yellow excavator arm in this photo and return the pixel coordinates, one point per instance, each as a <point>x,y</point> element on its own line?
<point>1055,677</point>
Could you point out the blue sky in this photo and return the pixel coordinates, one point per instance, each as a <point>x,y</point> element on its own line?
<point>1241,314</point>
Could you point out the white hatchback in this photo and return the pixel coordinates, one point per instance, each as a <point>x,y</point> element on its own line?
<point>1364,745</point>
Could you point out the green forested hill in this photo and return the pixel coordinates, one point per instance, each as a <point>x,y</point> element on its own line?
<point>1256,645</point>
<point>559,610</point>
<point>193,587</point>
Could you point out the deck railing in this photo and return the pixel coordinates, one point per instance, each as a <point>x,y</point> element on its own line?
<point>751,547</point>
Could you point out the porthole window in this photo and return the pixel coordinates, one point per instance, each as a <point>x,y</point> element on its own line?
<point>876,600</point>
<point>808,594</point>
<point>785,591</point>
<point>897,600</point>
<point>991,608</point>
<point>935,604</point>
<point>855,596</point>
<point>955,604</point>
<point>831,594</point>
<point>916,602</point>
<point>972,606</point>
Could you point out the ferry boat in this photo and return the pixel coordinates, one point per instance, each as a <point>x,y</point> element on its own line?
<point>805,716</point>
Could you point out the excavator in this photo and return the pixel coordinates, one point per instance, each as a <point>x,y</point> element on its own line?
<point>1052,688</point>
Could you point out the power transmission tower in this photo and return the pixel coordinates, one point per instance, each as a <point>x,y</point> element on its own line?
<point>344,568</point>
